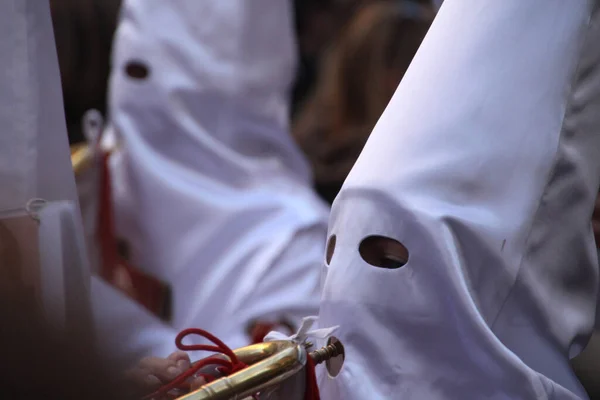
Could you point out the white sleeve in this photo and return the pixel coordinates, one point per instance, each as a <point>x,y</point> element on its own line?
<point>124,330</point>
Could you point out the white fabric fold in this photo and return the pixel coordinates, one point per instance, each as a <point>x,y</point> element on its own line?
<point>304,332</point>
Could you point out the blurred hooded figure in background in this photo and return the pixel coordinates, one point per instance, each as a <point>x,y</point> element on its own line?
<point>211,192</point>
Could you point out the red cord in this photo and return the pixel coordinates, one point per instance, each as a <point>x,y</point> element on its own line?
<point>106,226</point>
<point>226,367</point>
<point>311,391</point>
<point>148,291</point>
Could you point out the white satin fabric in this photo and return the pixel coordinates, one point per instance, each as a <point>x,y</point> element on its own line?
<point>485,165</point>
<point>211,192</point>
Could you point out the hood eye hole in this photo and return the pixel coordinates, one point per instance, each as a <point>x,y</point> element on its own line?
<point>391,262</point>
<point>383,252</point>
<point>137,69</point>
<point>330,249</point>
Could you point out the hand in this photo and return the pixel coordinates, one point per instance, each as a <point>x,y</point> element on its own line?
<point>153,372</point>
<point>196,383</point>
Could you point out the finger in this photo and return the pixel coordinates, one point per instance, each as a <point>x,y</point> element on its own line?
<point>143,380</point>
<point>151,382</point>
<point>182,359</point>
<point>164,369</point>
<point>175,393</point>
<point>197,383</point>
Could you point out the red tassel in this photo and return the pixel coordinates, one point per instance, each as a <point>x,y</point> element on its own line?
<point>226,367</point>
<point>106,228</point>
<point>148,291</point>
<point>312,389</point>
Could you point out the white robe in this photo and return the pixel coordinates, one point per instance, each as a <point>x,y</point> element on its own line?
<point>35,159</point>
<point>485,165</point>
<point>35,163</point>
<point>210,190</point>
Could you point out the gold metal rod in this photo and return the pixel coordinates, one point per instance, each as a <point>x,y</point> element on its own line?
<point>81,158</point>
<point>270,364</point>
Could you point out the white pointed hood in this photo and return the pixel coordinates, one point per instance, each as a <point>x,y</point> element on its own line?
<point>211,190</point>
<point>485,165</point>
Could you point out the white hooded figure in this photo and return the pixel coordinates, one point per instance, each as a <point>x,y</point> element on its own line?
<point>463,265</point>
<point>211,192</point>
